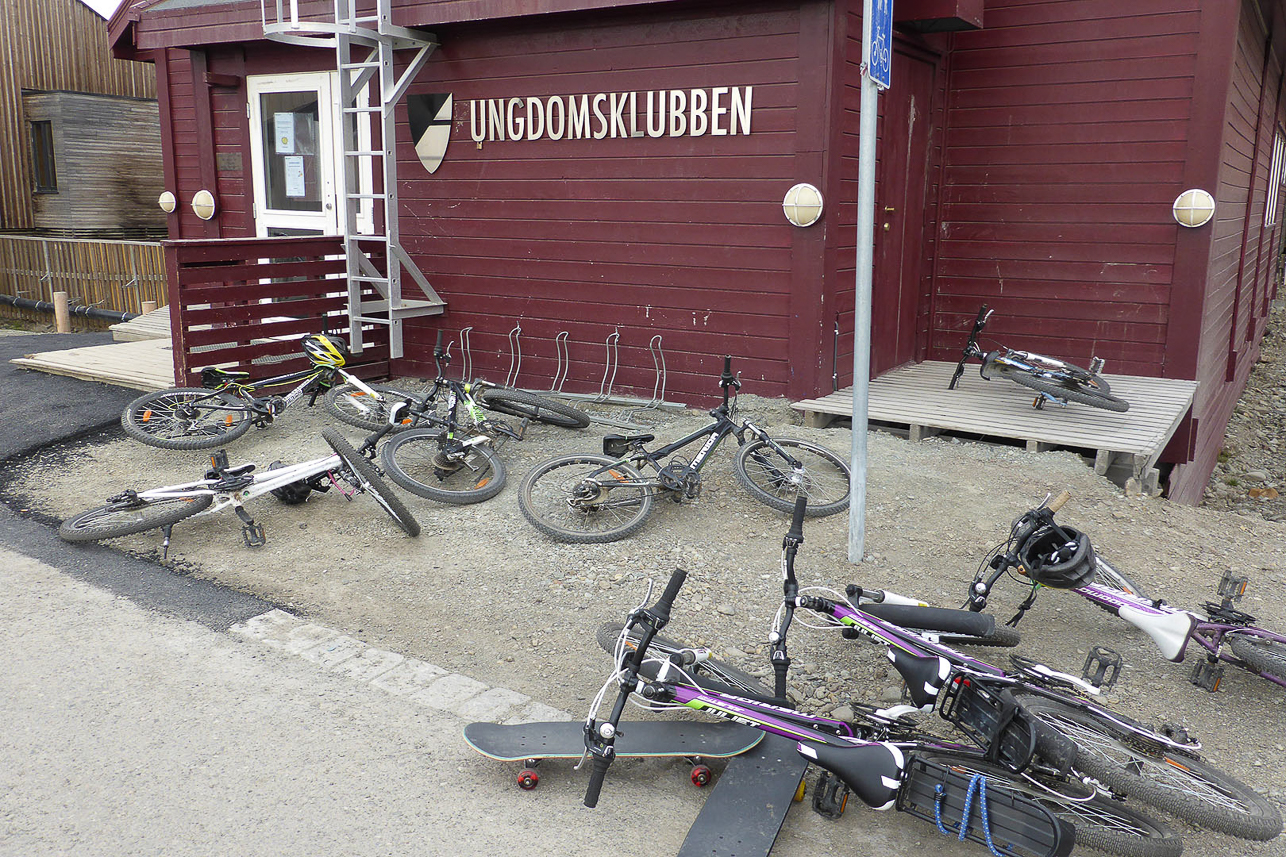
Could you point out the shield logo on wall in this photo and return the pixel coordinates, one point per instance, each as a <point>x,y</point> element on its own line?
<point>430,120</point>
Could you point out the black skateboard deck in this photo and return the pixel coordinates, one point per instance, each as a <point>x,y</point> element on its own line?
<point>650,739</point>
<point>745,810</point>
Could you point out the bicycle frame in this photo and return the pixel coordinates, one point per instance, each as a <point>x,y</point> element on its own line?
<point>236,490</point>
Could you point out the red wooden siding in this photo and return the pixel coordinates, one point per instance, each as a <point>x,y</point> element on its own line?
<point>1064,149</point>
<point>681,237</point>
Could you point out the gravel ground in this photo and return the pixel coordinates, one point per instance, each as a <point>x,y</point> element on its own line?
<point>481,592</point>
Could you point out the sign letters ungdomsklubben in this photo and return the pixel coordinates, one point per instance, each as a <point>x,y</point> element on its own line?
<point>717,111</point>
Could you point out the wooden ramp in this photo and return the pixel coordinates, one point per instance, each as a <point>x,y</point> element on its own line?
<point>153,325</point>
<point>143,365</point>
<point>916,397</point>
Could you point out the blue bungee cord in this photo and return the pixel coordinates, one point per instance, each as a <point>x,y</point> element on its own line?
<point>977,785</point>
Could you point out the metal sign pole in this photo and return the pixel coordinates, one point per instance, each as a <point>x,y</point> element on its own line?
<point>876,56</point>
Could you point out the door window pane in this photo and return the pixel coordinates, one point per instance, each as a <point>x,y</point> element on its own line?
<point>42,157</point>
<point>292,173</point>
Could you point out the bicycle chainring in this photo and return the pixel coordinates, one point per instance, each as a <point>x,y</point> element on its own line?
<point>682,478</point>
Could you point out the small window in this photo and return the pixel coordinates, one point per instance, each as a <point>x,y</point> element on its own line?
<point>42,157</point>
<point>1275,180</point>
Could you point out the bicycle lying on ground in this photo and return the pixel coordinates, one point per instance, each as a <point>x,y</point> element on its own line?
<point>228,403</point>
<point>1226,634</point>
<point>223,486</point>
<point>351,402</point>
<point>592,498</point>
<point>1053,380</point>
<point>984,703</point>
<point>884,774</point>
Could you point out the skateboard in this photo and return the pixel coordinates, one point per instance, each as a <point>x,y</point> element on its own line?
<point>529,743</point>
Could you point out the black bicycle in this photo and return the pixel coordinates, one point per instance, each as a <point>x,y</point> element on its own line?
<point>592,498</point>
<point>1053,380</point>
<point>228,403</point>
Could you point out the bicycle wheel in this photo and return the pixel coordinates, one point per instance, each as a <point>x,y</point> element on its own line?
<point>351,404</point>
<point>711,674</point>
<point>1266,656</point>
<point>576,499</point>
<point>370,482</point>
<point>1178,784</point>
<point>130,516</point>
<point>416,461</point>
<point>1100,823</point>
<point>1108,575</point>
<point>822,476</point>
<point>519,403</point>
<point>1076,391</point>
<point>184,418</point>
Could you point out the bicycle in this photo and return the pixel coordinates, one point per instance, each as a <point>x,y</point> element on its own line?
<point>228,403</point>
<point>1112,753</point>
<point>349,402</point>
<point>226,486</point>
<point>1055,381</point>
<point>1032,761</point>
<point>1257,650</point>
<point>592,498</point>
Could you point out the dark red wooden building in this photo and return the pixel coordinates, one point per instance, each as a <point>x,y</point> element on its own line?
<point>619,166</point>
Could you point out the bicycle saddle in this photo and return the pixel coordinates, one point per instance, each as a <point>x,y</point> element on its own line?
<point>619,444</point>
<point>230,472</point>
<point>214,377</point>
<point>924,675</point>
<point>872,771</point>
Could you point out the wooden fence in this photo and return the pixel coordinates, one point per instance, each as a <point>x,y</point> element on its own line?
<point>113,275</point>
<point>244,303</point>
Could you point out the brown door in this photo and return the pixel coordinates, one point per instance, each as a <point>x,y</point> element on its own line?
<point>901,176</point>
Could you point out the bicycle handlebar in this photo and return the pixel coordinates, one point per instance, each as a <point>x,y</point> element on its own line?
<point>1059,502</point>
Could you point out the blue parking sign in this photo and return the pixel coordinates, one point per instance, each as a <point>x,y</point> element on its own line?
<point>881,48</point>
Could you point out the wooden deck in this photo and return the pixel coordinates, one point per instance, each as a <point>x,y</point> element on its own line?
<point>153,325</point>
<point>916,397</point>
<point>142,365</point>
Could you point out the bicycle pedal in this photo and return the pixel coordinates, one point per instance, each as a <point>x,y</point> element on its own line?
<point>1102,667</point>
<point>1207,675</point>
<point>1232,587</point>
<point>253,535</point>
<point>830,796</point>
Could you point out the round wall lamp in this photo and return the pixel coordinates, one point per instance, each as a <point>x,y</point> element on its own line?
<point>203,204</point>
<point>1194,208</point>
<point>803,204</point>
<point>167,202</point>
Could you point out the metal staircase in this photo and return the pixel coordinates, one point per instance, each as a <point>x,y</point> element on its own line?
<point>369,88</point>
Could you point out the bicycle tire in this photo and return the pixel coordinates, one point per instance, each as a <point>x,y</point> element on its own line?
<point>520,403</point>
<point>1267,656</point>
<point>1107,575</point>
<point>1077,392</point>
<point>112,520</point>
<point>1179,784</point>
<point>548,498</point>
<point>156,419</point>
<point>370,482</point>
<point>769,478</point>
<point>711,674</point>
<point>351,404</point>
<point>1100,823</point>
<point>412,460</point>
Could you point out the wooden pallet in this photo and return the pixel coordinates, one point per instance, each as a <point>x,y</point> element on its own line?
<point>153,325</point>
<point>916,396</point>
<point>142,365</point>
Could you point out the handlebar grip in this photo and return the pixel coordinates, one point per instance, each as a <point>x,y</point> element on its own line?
<point>727,364</point>
<point>596,777</point>
<point>797,518</point>
<point>438,346</point>
<point>662,607</point>
<point>1059,501</point>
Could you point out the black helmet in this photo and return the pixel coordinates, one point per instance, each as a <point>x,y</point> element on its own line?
<point>292,493</point>
<point>1058,557</point>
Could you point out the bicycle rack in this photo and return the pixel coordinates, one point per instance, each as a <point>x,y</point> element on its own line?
<point>658,363</point>
<point>515,356</point>
<point>564,363</point>
<point>466,354</point>
<point>613,358</point>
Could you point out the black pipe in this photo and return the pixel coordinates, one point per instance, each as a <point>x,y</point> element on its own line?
<point>84,309</point>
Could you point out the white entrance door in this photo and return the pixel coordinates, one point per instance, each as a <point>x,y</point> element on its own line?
<point>294,150</point>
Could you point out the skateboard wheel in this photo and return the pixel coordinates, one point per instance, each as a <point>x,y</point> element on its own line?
<point>528,779</point>
<point>700,775</point>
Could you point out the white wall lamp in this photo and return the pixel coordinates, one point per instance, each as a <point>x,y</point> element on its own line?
<point>803,204</point>
<point>1194,208</point>
<point>203,204</point>
<point>167,202</point>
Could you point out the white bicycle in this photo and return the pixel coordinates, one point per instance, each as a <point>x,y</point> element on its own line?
<point>223,485</point>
